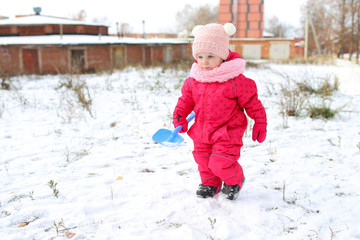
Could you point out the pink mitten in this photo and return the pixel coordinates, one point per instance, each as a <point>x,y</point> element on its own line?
<point>180,120</point>
<point>259,132</point>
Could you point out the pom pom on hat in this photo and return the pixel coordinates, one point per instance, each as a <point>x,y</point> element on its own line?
<point>229,28</point>
<point>212,38</point>
<point>196,29</point>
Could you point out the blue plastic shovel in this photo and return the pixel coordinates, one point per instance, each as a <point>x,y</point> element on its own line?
<point>170,138</point>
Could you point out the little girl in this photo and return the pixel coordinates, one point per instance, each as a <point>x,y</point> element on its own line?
<point>219,93</point>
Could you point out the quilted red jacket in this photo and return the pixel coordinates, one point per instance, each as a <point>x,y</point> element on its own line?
<point>219,98</point>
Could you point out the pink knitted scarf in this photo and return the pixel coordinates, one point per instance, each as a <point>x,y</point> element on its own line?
<point>224,72</point>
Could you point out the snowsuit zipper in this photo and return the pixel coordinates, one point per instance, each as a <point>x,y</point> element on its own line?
<point>204,109</point>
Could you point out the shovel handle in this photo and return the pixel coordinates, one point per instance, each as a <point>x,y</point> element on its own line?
<point>188,119</point>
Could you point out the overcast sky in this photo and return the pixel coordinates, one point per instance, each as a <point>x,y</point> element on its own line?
<point>159,15</point>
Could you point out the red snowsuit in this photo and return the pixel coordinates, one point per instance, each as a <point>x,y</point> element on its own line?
<point>219,98</point>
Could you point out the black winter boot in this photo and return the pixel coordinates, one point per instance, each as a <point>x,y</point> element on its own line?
<point>231,191</point>
<point>205,191</point>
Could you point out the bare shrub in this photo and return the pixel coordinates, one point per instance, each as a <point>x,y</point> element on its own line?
<point>320,86</point>
<point>312,94</point>
<point>291,100</point>
<point>5,84</point>
<point>322,110</point>
<point>75,94</point>
<point>52,184</point>
<point>319,106</point>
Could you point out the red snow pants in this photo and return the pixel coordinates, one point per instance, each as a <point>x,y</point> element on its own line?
<point>218,163</point>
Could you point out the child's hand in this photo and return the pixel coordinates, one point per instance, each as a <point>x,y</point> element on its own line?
<point>180,120</point>
<point>259,132</point>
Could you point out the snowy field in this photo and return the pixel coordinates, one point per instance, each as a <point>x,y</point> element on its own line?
<point>73,173</point>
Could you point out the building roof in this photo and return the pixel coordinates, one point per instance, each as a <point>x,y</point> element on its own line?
<point>83,39</point>
<point>43,20</point>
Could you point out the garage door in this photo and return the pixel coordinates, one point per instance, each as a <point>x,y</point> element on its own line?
<point>30,61</point>
<point>251,51</point>
<point>279,50</point>
<point>77,60</point>
<point>119,59</point>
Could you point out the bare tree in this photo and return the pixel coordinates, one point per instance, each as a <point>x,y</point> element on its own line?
<point>123,29</point>
<point>342,28</point>
<point>322,34</point>
<point>346,15</point>
<point>191,16</point>
<point>336,24</point>
<point>81,15</point>
<point>354,9</point>
<point>277,28</point>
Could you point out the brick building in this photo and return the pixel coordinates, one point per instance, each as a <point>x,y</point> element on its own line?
<point>246,15</point>
<point>249,40</point>
<point>40,44</point>
<point>37,44</point>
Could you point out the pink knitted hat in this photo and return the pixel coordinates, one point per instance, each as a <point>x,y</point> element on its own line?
<point>212,38</point>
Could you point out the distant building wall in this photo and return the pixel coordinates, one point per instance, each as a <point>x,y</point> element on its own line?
<point>35,44</point>
<point>10,60</point>
<point>134,54</point>
<point>246,15</point>
<point>157,54</point>
<point>98,57</point>
<point>54,59</point>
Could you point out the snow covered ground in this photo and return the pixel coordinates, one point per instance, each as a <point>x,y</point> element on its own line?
<point>65,174</point>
